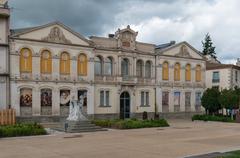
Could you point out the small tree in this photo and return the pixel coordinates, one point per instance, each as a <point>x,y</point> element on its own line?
<point>210,101</point>
<point>208,48</point>
<point>229,99</point>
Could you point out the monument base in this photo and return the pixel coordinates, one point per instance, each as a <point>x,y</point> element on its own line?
<point>78,126</point>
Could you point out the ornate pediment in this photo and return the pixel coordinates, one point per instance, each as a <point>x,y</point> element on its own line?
<point>56,35</point>
<point>184,52</point>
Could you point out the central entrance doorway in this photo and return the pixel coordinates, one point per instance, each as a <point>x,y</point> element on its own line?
<point>124,105</point>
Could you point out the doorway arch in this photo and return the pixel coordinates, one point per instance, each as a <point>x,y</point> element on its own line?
<point>125,105</point>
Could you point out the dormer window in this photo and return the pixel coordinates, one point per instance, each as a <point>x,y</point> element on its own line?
<point>126,44</point>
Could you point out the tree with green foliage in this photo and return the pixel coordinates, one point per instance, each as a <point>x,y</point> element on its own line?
<point>208,48</point>
<point>210,100</point>
<point>229,99</point>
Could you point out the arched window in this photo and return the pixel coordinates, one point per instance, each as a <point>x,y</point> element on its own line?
<point>46,62</point>
<point>65,63</point>
<point>188,72</point>
<point>148,69</point>
<point>165,69</point>
<point>82,65</point>
<point>139,68</point>
<point>98,65</point>
<point>124,67</point>
<point>108,66</point>
<point>177,69</point>
<point>25,60</point>
<point>198,73</point>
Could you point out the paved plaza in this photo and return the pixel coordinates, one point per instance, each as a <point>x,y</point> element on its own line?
<point>183,138</point>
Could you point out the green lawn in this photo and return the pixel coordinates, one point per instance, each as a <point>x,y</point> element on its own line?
<point>233,154</point>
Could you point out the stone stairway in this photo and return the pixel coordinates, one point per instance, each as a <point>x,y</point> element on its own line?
<point>74,126</point>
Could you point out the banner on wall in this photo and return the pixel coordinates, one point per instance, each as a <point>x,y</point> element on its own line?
<point>26,97</point>
<point>64,97</point>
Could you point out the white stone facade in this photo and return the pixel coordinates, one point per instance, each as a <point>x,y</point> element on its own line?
<point>4,58</point>
<point>126,87</point>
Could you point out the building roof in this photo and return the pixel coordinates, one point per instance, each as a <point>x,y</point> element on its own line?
<point>212,66</point>
<point>165,45</point>
<point>20,31</point>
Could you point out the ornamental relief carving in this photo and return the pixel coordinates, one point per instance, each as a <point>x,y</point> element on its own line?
<point>56,35</point>
<point>184,52</point>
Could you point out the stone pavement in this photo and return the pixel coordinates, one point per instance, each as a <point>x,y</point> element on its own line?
<point>182,139</point>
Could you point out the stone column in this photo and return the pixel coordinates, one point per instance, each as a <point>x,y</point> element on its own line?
<point>171,100</point>
<point>36,102</point>
<point>55,102</point>
<point>193,96</point>
<point>159,99</point>
<point>182,101</point>
<point>90,100</point>
<point>55,67</point>
<point>36,66</point>
<point>73,68</point>
<point>15,98</point>
<point>91,68</point>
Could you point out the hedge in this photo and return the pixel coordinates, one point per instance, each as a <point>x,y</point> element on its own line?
<point>131,123</point>
<point>22,129</point>
<point>212,118</point>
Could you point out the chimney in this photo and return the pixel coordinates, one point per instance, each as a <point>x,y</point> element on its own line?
<point>110,35</point>
<point>172,42</point>
<point>238,62</point>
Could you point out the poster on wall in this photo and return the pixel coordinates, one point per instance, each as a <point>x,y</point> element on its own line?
<point>84,94</point>
<point>176,98</point>
<point>165,98</point>
<point>46,97</point>
<point>26,97</point>
<point>64,97</point>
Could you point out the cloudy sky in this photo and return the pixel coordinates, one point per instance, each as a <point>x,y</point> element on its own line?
<point>157,21</point>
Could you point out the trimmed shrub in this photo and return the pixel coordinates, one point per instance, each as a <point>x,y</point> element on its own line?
<point>212,118</point>
<point>22,129</point>
<point>131,123</point>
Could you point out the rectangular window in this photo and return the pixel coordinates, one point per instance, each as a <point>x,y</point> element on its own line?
<point>236,76</point>
<point>107,98</point>
<point>165,96</point>
<point>147,98</point>
<point>142,98</point>
<point>104,98</point>
<point>101,98</point>
<point>176,98</point>
<point>215,77</point>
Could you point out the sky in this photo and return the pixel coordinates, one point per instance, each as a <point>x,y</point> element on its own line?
<point>157,21</point>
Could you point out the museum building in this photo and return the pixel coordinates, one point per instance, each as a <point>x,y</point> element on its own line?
<point>118,76</point>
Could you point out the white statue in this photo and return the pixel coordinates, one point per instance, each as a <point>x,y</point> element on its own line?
<point>75,110</point>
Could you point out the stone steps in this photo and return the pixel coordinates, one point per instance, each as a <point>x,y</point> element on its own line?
<point>74,127</point>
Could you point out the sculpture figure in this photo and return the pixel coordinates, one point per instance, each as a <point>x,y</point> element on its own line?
<point>75,110</point>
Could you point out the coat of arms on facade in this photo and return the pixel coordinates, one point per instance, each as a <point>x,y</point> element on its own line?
<point>184,52</point>
<point>56,35</point>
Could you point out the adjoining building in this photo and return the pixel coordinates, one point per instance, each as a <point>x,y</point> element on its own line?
<point>4,54</point>
<point>222,76</point>
<point>118,76</point>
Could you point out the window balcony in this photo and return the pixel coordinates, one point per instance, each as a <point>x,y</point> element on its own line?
<point>217,80</point>
<point>26,75</point>
<point>65,77</point>
<point>46,76</point>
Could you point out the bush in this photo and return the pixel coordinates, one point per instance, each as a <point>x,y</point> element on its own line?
<point>22,129</point>
<point>131,123</point>
<point>212,118</point>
